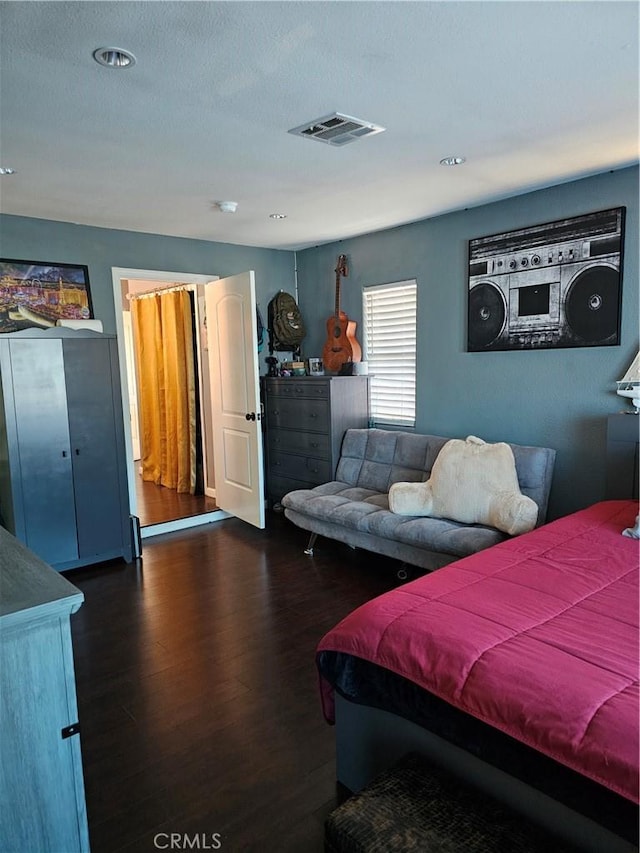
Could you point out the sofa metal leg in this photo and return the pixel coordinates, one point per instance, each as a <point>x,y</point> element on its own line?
<point>309,549</point>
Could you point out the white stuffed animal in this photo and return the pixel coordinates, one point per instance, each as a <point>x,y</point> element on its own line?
<point>472,482</point>
<point>633,532</point>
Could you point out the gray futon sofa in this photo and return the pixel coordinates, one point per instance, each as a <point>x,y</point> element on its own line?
<point>354,508</point>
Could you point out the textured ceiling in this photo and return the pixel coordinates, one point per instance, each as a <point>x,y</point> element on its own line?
<point>531,93</point>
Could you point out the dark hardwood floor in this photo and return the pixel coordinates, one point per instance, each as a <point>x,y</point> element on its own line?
<point>155,504</point>
<point>197,688</point>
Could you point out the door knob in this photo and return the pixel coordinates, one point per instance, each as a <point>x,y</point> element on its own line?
<point>250,416</point>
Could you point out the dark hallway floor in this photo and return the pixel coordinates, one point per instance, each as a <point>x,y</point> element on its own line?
<point>156,504</point>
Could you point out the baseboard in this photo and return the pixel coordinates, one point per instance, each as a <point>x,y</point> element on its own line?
<point>183,523</point>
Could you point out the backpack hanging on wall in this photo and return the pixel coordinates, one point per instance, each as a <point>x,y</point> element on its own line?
<point>286,326</point>
<point>260,329</point>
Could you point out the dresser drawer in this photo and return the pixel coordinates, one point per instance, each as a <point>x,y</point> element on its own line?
<point>314,471</point>
<point>280,486</point>
<point>314,389</point>
<point>299,414</point>
<point>307,443</point>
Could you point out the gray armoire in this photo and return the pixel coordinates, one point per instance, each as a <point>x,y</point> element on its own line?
<point>63,482</point>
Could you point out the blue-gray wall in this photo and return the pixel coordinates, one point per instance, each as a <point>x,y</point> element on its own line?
<point>557,398</point>
<point>101,249</point>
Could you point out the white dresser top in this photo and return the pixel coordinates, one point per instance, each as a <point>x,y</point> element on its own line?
<point>29,588</point>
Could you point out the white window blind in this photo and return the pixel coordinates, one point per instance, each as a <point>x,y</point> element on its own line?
<point>389,312</point>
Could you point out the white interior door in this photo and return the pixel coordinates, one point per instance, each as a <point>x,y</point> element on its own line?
<point>132,384</point>
<point>235,396</point>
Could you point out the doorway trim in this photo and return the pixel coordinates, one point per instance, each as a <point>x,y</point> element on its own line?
<point>161,277</point>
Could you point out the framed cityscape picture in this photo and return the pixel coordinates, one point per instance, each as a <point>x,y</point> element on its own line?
<point>38,294</point>
<point>552,285</point>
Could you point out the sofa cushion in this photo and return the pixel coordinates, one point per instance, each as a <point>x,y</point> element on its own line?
<point>368,512</point>
<point>375,458</point>
<point>433,534</point>
<point>448,537</point>
<point>336,502</point>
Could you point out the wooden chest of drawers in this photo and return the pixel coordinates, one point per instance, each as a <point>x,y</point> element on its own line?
<point>306,418</point>
<point>622,456</point>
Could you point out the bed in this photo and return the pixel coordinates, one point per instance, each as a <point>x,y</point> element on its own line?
<point>517,667</point>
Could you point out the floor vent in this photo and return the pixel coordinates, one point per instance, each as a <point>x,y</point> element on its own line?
<point>337,129</point>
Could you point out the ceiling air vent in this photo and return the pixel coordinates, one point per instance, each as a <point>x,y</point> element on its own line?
<point>337,129</point>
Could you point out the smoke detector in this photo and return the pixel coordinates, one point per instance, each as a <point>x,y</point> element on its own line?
<point>227,206</point>
<point>336,129</point>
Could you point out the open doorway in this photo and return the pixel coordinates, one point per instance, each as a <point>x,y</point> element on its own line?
<point>160,508</point>
<point>226,329</point>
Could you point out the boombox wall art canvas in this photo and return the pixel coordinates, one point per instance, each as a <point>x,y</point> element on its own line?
<point>552,285</point>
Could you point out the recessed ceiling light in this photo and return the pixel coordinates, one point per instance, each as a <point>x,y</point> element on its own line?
<point>452,161</point>
<point>7,170</point>
<point>277,216</point>
<point>114,57</point>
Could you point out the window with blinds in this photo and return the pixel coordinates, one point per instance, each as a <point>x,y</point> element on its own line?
<point>389,314</point>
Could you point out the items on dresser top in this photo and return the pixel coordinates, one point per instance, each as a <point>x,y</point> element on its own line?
<point>306,418</point>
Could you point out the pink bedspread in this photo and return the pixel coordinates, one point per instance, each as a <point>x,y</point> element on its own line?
<point>537,636</point>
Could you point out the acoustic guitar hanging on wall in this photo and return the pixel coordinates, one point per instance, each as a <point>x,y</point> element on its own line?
<point>341,345</point>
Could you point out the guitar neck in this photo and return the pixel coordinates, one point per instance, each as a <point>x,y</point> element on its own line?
<point>341,270</point>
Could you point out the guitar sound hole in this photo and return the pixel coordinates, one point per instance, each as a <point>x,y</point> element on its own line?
<point>336,332</point>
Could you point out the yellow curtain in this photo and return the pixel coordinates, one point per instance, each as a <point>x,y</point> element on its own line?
<point>166,380</point>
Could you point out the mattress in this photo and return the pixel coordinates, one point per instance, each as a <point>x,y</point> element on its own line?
<point>536,637</point>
